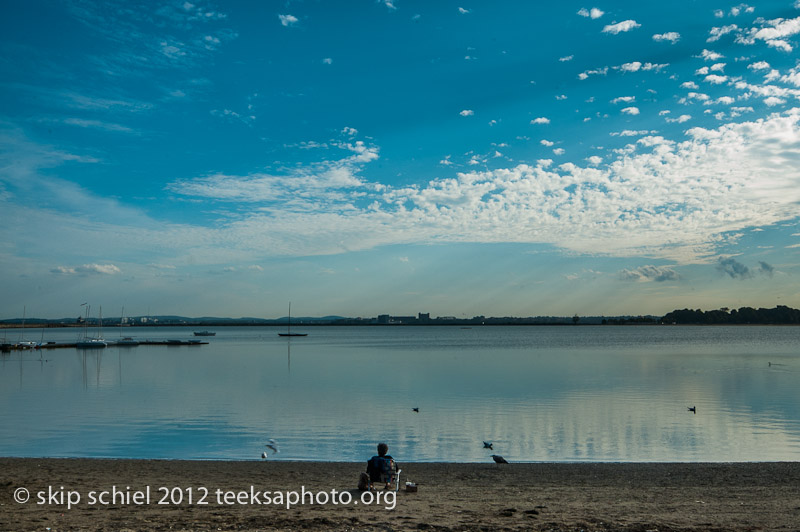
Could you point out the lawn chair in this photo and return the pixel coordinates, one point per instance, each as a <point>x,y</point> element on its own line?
<point>383,471</point>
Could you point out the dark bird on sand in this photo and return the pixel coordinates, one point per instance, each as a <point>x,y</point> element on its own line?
<point>498,459</point>
<point>415,409</point>
<point>487,445</point>
<point>692,409</point>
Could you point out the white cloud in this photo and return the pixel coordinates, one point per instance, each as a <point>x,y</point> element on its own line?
<point>792,77</point>
<point>680,120</point>
<point>97,124</point>
<point>566,58</point>
<point>649,273</point>
<point>717,67</point>
<point>624,99</point>
<point>288,20</point>
<point>463,11</point>
<point>760,65</point>
<point>625,25</point>
<point>741,8</point>
<point>631,67</point>
<point>540,120</point>
<point>654,66</point>
<point>689,85</point>
<point>594,160</point>
<point>631,133</point>
<point>631,110</point>
<point>773,33</point>
<point>694,96</point>
<point>593,13</point>
<point>780,44</point>
<point>773,101</point>
<point>545,142</point>
<point>715,79</point>
<point>559,151</point>
<point>327,61</point>
<point>88,269</point>
<point>709,55</point>
<point>672,36</point>
<point>716,34</point>
<point>467,112</point>
<point>596,72</point>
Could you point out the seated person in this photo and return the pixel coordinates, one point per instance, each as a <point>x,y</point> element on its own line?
<point>381,469</point>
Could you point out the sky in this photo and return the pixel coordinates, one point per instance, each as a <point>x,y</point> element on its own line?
<point>504,158</point>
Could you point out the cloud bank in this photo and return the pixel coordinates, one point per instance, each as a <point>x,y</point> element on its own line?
<point>659,198</point>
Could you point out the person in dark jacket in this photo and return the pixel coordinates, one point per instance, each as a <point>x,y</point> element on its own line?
<point>381,469</point>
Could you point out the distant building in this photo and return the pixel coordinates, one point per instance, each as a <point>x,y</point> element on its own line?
<point>424,317</point>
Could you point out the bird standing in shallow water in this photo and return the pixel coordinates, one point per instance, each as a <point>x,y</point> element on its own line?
<point>415,409</point>
<point>498,459</point>
<point>692,409</point>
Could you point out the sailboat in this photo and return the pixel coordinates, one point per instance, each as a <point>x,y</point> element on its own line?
<point>289,326</point>
<point>23,343</point>
<point>91,343</point>
<point>127,341</point>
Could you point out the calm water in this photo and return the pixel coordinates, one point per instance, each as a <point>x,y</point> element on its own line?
<point>538,393</point>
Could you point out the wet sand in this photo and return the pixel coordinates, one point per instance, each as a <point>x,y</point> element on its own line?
<point>572,497</point>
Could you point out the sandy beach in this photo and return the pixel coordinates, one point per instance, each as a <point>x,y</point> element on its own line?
<point>132,495</point>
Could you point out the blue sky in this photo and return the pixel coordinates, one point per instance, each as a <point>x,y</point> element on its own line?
<point>357,158</point>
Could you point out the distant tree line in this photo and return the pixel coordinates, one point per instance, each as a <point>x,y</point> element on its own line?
<point>780,315</point>
<point>636,320</point>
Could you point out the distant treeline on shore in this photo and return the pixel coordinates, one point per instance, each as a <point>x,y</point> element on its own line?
<point>780,315</point>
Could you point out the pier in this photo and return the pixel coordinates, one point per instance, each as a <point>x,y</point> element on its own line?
<point>66,345</point>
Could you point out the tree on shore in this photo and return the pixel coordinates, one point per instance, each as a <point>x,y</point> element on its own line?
<point>780,315</point>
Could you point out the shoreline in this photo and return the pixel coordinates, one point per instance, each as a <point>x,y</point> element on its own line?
<point>451,496</point>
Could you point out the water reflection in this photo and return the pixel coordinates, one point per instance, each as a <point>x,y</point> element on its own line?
<point>540,394</point>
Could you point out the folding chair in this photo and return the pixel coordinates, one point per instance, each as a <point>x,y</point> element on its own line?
<point>384,471</point>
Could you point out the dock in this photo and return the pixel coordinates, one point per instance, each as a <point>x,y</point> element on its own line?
<point>111,343</point>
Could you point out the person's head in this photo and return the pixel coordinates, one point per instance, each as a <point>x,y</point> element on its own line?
<point>382,449</point>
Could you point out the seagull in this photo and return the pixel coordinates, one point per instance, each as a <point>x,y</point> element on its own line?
<point>498,459</point>
<point>487,445</point>
<point>692,409</point>
<point>415,409</point>
<point>271,445</point>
